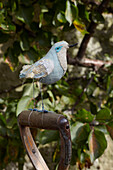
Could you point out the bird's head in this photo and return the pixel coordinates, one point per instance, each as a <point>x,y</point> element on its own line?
<point>61,50</point>
<point>62,46</point>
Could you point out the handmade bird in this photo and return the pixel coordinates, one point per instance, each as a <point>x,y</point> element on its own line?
<point>51,67</point>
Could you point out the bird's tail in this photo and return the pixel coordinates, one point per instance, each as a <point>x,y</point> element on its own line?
<point>23,72</point>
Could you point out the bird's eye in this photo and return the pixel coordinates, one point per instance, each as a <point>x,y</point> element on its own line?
<point>58,48</point>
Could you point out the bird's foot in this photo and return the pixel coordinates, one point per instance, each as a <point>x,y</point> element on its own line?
<point>42,111</point>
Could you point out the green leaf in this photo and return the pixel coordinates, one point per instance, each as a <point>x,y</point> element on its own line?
<point>28,90</point>
<point>83,13</point>
<point>103,115</point>
<point>84,116</point>
<point>4,37</point>
<point>51,96</point>
<point>1,101</point>
<point>44,9</point>
<point>67,100</point>
<point>11,56</point>
<point>16,48</point>
<point>11,27</point>
<point>1,5</point>
<point>102,128</point>
<point>24,103</point>
<point>97,144</point>
<point>2,120</point>
<point>68,12</point>
<point>108,82</point>
<point>79,133</point>
<point>74,12</point>
<point>109,127</point>
<point>31,54</point>
<point>24,42</point>
<point>48,105</point>
<point>26,2</point>
<point>2,18</point>
<point>109,102</point>
<point>11,123</point>
<point>48,136</point>
<point>25,14</point>
<point>3,131</point>
<point>97,17</point>
<point>61,17</point>
<point>93,108</point>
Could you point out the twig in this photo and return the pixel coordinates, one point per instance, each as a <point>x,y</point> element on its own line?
<point>84,90</point>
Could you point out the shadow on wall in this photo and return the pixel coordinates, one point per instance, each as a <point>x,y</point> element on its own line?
<point>9,80</point>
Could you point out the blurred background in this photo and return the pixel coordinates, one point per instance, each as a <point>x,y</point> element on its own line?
<point>84,95</point>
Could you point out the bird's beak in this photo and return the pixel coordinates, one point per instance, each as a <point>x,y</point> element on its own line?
<point>73,45</point>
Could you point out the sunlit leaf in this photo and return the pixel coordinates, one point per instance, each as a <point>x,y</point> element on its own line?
<point>51,96</point>
<point>97,144</point>
<point>30,90</point>
<point>9,64</point>
<point>102,128</point>
<point>1,101</point>
<point>80,26</point>
<point>24,104</point>
<point>68,12</point>
<point>67,100</point>
<point>41,19</point>
<point>61,18</point>
<point>48,105</point>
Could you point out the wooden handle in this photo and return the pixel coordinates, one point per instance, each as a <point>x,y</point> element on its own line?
<point>51,121</point>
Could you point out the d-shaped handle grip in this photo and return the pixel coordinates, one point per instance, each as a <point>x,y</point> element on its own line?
<point>51,121</point>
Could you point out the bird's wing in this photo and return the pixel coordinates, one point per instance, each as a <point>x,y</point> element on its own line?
<point>40,69</point>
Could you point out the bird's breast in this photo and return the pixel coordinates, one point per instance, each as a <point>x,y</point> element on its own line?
<point>57,72</point>
<point>63,59</point>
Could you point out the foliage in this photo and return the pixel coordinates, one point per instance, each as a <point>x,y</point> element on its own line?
<point>29,28</point>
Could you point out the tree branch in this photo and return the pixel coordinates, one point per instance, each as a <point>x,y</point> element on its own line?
<point>86,62</point>
<point>91,31</point>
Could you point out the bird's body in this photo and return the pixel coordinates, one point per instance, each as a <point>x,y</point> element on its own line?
<point>51,67</point>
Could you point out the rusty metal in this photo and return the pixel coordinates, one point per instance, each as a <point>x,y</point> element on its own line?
<point>50,121</point>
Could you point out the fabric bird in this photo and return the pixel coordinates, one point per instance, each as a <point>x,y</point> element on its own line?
<point>51,67</point>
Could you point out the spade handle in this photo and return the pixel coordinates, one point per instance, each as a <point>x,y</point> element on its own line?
<point>50,121</point>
